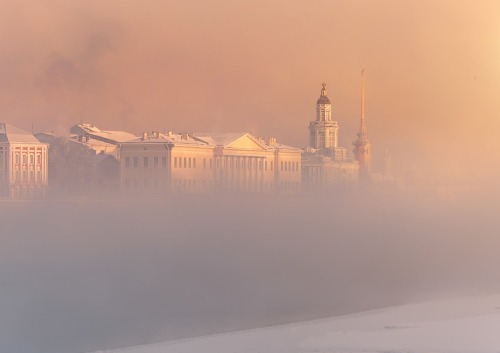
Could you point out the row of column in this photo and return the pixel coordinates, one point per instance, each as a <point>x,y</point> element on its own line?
<point>244,173</point>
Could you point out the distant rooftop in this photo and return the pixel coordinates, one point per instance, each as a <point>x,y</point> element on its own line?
<point>12,134</point>
<point>169,137</point>
<point>214,139</point>
<point>113,137</point>
<point>219,138</point>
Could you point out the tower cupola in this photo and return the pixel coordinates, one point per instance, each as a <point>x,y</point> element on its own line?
<point>323,98</point>
<point>324,131</point>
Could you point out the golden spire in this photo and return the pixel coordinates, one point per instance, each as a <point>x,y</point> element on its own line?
<point>362,128</point>
<point>363,96</point>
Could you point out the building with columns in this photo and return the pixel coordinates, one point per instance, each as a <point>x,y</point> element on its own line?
<point>207,162</point>
<point>23,164</point>
<point>325,165</point>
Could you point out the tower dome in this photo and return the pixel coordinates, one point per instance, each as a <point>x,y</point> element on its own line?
<point>323,98</point>
<point>323,131</point>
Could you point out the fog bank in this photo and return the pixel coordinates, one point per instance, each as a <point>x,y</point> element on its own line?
<point>86,275</point>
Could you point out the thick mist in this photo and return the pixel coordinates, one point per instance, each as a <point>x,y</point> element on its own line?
<point>85,275</point>
<point>432,72</point>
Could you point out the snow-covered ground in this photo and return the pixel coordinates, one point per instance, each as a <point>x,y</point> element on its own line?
<point>459,325</point>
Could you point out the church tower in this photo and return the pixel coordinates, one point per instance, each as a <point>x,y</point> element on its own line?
<point>323,132</point>
<point>362,150</point>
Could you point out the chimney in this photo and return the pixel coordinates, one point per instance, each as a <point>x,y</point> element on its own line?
<point>145,136</point>
<point>272,140</point>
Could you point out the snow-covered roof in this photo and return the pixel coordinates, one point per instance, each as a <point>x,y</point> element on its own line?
<point>170,138</point>
<point>12,134</point>
<point>113,137</point>
<point>97,146</point>
<point>214,139</point>
<point>281,146</point>
<point>219,138</point>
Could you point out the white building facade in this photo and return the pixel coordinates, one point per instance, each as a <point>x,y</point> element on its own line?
<point>23,164</point>
<point>207,162</point>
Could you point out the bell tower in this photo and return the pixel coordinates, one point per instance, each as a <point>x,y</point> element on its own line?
<point>323,132</point>
<point>362,149</point>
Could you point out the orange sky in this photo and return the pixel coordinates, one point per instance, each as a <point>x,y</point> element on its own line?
<point>432,70</point>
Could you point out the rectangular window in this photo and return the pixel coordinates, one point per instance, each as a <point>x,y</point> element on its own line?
<point>155,162</point>
<point>32,159</point>
<point>146,162</point>
<point>210,163</point>
<point>282,166</point>
<point>265,166</point>
<point>39,176</point>
<point>271,166</point>
<point>127,162</point>
<point>18,177</point>
<point>194,162</point>
<point>136,162</point>
<point>185,164</point>
<point>189,162</point>
<point>38,159</point>
<point>25,159</point>
<point>204,163</point>
<point>25,176</point>
<point>18,158</point>
<point>175,162</point>
<point>32,176</point>
<point>163,162</point>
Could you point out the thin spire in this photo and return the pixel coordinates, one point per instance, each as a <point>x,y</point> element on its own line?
<point>362,128</point>
<point>362,96</point>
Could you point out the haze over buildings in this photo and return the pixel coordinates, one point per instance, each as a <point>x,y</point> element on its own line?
<point>210,109</point>
<point>432,71</point>
<point>91,161</point>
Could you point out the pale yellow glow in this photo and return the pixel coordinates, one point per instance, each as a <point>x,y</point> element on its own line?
<point>432,78</point>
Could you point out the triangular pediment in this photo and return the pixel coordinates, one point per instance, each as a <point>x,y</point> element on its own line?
<point>246,142</point>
